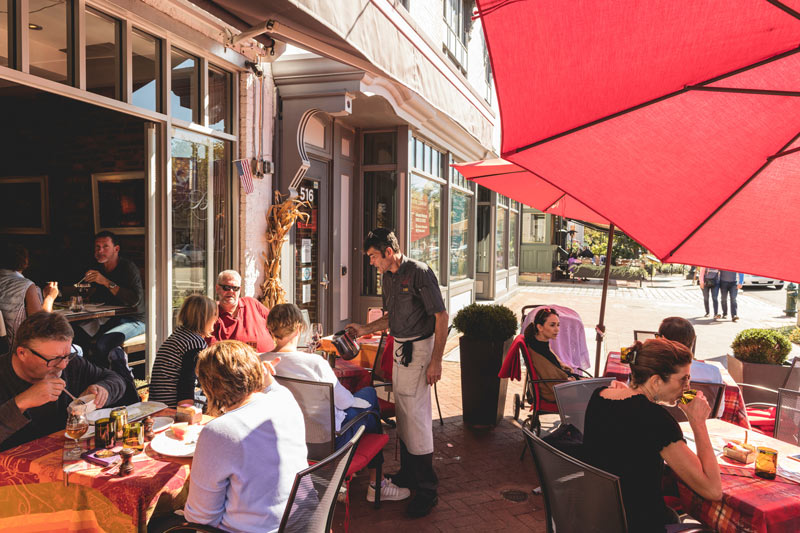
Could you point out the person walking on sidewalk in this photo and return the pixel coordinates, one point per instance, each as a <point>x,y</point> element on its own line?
<point>416,316</point>
<point>730,283</point>
<point>709,283</point>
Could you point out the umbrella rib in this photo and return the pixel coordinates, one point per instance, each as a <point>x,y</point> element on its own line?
<point>737,191</point>
<point>785,8</point>
<point>782,55</point>
<point>766,92</point>
<point>781,154</point>
<point>501,174</point>
<point>557,200</point>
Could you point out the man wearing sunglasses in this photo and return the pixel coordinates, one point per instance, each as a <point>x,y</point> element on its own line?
<point>34,375</point>
<point>241,318</point>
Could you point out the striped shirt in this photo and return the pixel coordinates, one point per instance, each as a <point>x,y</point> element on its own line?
<point>173,369</point>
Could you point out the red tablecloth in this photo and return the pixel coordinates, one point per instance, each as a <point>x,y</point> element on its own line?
<point>734,411</point>
<point>352,376</point>
<point>34,496</point>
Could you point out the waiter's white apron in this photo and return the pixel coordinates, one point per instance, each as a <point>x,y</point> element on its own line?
<point>413,397</point>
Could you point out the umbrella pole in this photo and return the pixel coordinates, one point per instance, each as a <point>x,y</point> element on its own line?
<point>601,328</point>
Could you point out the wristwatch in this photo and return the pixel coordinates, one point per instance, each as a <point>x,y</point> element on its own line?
<point>112,286</point>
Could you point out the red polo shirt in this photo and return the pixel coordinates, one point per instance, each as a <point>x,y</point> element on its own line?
<point>250,325</point>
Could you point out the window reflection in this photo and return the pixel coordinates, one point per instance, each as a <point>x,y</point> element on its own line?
<point>513,225</point>
<point>380,208</point>
<point>459,235</point>
<point>424,222</point>
<point>483,252</point>
<point>185,86</point>
<point>102,54</point>
<point>500,244</point>
<point>219,89</point>
<point>49,47</point>
<point>146,70</point>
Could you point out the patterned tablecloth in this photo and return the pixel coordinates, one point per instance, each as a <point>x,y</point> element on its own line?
<point>734,410</point>
<point>35,497</point>
<point>748,503</point>
<point>352,376</point>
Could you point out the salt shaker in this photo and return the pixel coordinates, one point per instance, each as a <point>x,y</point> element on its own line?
<point>126,468</point>
<point>148,429</point>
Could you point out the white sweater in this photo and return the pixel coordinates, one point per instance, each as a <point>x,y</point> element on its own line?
<point>245,463</point>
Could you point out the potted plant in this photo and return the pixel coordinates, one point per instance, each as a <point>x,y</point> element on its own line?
<point>487,332</point>
<point>758,357</point>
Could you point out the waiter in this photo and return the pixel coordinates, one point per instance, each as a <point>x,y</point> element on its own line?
<point>416,316</point>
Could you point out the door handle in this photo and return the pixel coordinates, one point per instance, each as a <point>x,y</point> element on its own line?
<point>325,281</point>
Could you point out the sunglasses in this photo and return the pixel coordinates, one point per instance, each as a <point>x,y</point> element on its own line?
<point>233,288</point>
<point>55,361</point>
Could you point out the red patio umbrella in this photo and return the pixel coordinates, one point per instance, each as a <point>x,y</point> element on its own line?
<point>679,120</point>
<point>526,187</point>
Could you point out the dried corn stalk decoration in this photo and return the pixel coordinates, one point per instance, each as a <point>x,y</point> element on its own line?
<point>280,219</point>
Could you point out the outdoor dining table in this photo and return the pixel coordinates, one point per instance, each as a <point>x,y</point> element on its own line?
<point>748,503</point>
<point>368,349</point>
<point>41,491</point>
<point>734,410</point>
<point>92,311</point>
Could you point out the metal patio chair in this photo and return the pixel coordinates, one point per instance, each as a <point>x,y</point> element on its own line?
<point>787,417</point>
<point>572,398</point>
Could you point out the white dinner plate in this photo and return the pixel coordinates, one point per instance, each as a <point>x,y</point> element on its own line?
<point>167,444</point>
<point>136,411</point>
<point>160,423</point>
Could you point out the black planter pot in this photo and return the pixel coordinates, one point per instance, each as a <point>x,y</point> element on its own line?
<point>483,394</point>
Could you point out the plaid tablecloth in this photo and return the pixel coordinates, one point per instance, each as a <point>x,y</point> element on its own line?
<point>352,376</point>
<point>734,410</point>
<point>34,496</point>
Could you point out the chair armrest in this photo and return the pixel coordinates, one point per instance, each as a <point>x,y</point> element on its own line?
<point>588,375</point>
<point>761,405</point>
<point>383,384</point>
<point>362,414</point>
<point>191,526</point>
<point>549,380</point>
<point>759,387</point>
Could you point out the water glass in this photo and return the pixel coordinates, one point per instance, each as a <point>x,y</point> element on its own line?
<point>76,304</point>
<point>76,427</point>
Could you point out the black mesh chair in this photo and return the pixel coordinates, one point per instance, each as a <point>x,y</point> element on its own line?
<point>313,497</point>
<point>572,398</point>
<point>641,336</point>
<point>713,392</point>
<point>787,417</point>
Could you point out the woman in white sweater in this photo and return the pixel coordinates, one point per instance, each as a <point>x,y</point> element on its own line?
<point>247,458</point>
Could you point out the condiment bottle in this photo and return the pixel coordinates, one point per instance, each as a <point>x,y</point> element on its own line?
<point>126,468</point>
<point>148,429</point>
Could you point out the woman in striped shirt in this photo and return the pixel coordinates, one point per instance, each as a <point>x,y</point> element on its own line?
<point>173,377</point>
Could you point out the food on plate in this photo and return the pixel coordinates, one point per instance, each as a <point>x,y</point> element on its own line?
<point>186,432</point>
<point>739,451</point>
<point>179,430</point>
<point>688,396</point>
<point>187,412</point>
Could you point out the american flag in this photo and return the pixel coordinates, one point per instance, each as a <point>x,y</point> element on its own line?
<point>243,168</point>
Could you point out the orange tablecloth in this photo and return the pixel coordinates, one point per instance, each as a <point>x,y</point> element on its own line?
<point>34,496</point>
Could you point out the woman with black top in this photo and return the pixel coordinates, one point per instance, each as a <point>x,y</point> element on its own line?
<point>173,377</point>
<point>547,364</point>
<point>627,433</point>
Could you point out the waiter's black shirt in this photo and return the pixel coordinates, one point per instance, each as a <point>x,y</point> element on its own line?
<point>412,297</point>
<point>20,427</point>
<point>131,292</point>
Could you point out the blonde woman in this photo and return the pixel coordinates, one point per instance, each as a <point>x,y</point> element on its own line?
<point>246,458</point>
<point>173,376</point>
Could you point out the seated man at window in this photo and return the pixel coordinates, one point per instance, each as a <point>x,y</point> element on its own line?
<point>117,282</point>
<point>241,318</point>
<point>33,377</point>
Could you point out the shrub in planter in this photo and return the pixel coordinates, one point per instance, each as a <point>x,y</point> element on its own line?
<point>487,330</point>
<point>761,346</point>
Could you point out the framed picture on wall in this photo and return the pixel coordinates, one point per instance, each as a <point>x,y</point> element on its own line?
<point>119,202</point>
<point>24,205</point>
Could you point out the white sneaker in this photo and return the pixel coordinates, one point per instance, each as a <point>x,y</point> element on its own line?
<point>389,492</point>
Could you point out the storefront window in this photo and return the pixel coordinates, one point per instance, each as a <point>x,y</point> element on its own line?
<point>185,86</point>
<point>459,235</point>
<point>500,237</point>
<point>380,148</point>
<point>513,228</point>
<point>200,217</point>
<point>49,46</point>
<point>103,72</point>
<point>219,97</point>
<point>146,69</point>
<point>380,211</point>
<point>4,31</point>
<point>484,238</point>
<point>533,227</point>
<point>424,220</point>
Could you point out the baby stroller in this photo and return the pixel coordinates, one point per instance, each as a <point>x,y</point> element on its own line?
<point>570,347</point>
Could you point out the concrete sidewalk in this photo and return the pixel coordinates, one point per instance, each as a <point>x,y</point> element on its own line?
<point>481,476</point>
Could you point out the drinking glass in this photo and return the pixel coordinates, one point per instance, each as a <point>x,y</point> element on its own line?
<point>766,462</point>
<point>316,337</point>
<point>77,425</point>
<point>76,304</point>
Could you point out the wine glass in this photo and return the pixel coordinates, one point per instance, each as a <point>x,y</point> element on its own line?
<point>77,425</point>
<point>316,337</point>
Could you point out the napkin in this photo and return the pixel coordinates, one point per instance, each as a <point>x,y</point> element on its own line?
<point>361,403</point>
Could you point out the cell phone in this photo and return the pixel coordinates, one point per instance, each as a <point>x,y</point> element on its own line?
<point>91,457</point>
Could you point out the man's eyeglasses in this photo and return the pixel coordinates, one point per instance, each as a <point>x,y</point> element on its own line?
<point>55,361</point>
<point>233,288</point>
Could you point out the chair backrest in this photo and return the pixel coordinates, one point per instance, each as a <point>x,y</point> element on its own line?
<point>787,417</point>
<point>641,336</point>
<point>578,497</point>
<point>313,498</point>
<point>792,381</point>
<point>316,402</point>
<point>378,372</point>
<point>714,395</point>
<point>573,397</point>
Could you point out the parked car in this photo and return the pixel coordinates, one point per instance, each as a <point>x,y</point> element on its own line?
<point>761,281</point>
<point>188,254</point>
